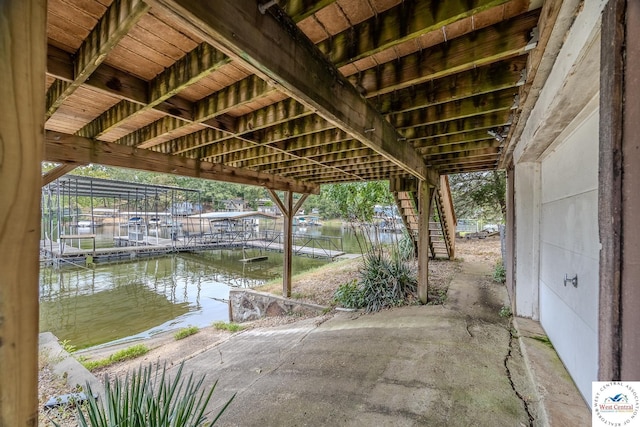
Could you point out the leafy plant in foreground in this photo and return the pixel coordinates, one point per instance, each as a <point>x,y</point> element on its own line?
<point>146,400</point>
<point>349,295</point>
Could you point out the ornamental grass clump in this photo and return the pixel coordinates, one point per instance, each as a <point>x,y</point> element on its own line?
<point>144,399</point>
<point>386,279</point>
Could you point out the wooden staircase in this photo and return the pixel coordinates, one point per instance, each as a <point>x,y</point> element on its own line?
<point>442,219</point>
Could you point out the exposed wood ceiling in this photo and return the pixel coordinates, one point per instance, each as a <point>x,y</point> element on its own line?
<point>308,92</point>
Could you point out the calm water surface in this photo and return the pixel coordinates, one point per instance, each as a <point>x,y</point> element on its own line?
<point>110,302</point>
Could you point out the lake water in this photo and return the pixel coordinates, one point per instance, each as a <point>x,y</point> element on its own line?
<point>111,302</point>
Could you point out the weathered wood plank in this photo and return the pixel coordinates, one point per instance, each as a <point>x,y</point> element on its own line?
<point>22,66</point>
<point>112,27</point>
<point>425,198</point>
<point>71,148</point>
<point>484,121</point>
<point>194,66</point>
<point>502,41</point>
<point>457,138</point>
<point>489,78</point>
<point>456,109</point>
<point>610,185</point>
<point>405,22</point>
<point>488,142</point>
<point>275,49</point>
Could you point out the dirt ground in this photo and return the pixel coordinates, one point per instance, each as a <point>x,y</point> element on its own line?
<point>317,286</point>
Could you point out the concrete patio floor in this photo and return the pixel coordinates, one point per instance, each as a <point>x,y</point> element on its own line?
<point>459,364</point>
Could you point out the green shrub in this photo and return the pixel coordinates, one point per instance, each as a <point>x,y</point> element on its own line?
<point>224,326</point>
<point>186,332</point>
<point>143,399</point>
<point>499,272</point>
<point>125,354</point>
<point>349,295</point>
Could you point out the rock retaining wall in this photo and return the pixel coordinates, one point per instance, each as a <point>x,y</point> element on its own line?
<point>248,305</point>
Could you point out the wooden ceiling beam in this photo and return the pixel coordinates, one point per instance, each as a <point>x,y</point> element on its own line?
<point>469,168</point>
<point>191,68</point>
<point>306,125</point>
<point>462,155</point>
<point>458,138</point>
<point>114,82</point>
<point>291,145</point>
<point>276,50</point>
<point>292,167</point>
<point>241,92</point>
<point>286,115</point>
<point>266,157</point>
<point>402,23</point>
<point>118,19</point>
<point>492,77</point>
<point>346,165</point>
<point>63,148</point>
<point>489,142</point>
<point>301,9</point>
<point>504,40</point>
<point>456,109</point>
<point>484,121</point>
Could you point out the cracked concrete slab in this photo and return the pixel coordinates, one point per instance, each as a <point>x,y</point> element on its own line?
<point>458,364</point>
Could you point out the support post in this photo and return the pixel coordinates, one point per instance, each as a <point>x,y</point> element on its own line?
<point>510,238</point>
<point>22,64</point>
<point>288,211</point>
<point>288,245</point>
<point>618,182</point>
<point>425,195</point>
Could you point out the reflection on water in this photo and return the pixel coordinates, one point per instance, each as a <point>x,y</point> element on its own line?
<point>141,298</point>
<point>120,301</point>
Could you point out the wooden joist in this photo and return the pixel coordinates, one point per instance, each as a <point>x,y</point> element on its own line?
<point>275,49</point>
<point>74,149</point>
<point>112,27</point>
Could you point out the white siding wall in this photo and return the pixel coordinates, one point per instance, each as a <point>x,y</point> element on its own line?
<point>569,244</point>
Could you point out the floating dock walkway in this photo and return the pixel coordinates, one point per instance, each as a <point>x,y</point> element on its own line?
<point>64,251</point>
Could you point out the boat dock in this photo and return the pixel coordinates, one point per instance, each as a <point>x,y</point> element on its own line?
<point>70,249</point>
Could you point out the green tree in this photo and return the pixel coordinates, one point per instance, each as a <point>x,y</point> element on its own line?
<point>356,200</point>
<point>480,195</point>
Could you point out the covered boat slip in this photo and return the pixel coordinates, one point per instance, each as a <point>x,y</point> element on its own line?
<point>293,94</point>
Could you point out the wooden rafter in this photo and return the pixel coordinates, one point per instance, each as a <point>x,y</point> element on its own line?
<point>505,40</point>
<point>194,66</point>
<point>405,22</point>
<point>61,148</point>
<point>476,81</point>
<point>112,27</point>
<point>274,49</point>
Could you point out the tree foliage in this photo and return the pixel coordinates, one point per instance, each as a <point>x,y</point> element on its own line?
<point>354,201</point>
<point>480,195</point>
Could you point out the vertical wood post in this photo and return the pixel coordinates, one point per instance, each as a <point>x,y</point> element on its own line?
<point>22,67</point>
<point>425,195</point>
<point>288,244</point>
<point>610,189</point>
<point>618,204</point>
<point>510,231</point>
